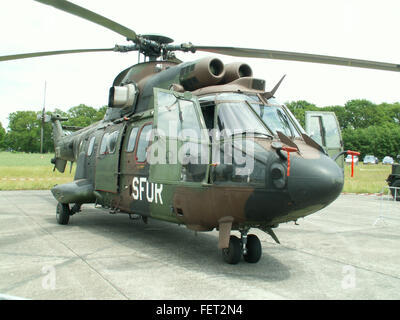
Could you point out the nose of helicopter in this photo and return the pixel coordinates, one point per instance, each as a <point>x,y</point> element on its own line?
<point>314,182</point>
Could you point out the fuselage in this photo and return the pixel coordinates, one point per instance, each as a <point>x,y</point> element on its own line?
<point>196,159</point>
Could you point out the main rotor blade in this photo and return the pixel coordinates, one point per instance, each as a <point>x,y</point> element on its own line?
<point>296,56</point>
<point>49,53</point>
<point>91,16</point>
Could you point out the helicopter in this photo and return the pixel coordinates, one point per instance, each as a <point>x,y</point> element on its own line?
<point>199,143</point>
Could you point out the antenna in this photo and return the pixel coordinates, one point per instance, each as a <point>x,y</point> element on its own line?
<point>42,123</point>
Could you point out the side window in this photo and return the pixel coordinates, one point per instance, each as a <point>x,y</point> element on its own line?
<point>91,146</point>
<point>144,141</point>
<point>104,141</point>
<point>132,139</point>
<point>332,134</point>
<point>109,142</point>
<point>317,130</point>
<point>112,141</point>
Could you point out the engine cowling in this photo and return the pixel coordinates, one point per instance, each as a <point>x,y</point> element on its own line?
<point>202,73</point>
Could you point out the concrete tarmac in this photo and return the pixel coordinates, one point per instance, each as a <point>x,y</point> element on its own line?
<point>336,253</point>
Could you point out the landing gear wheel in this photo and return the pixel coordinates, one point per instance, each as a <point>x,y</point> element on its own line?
<point>233,254</point>
<point>63,212</point>
<point>254,249</point>
<point>397,185</point>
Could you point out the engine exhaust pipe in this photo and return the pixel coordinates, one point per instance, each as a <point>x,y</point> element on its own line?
<point>236,70</point>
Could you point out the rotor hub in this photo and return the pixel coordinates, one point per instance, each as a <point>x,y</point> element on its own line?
<point>153,45</point>
<point>157,38</point>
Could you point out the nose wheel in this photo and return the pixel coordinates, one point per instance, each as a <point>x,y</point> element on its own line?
<point>249,246</point>
<point>253,250</point>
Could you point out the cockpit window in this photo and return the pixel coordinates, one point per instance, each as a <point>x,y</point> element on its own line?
<point>294,119</point>
<point>274,115</point>
<point>276,119</point>
<point>177,117</point>
<point>237,117</point>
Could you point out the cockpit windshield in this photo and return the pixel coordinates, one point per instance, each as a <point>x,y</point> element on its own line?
<point>276,119</point>
<point>237,117</point>
<point>235,112</point>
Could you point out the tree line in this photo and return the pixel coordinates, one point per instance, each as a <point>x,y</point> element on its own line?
<point>366,127</point>
<point>23,132</point>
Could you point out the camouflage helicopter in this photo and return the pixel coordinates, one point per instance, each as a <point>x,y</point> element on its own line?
<point>199,143</point>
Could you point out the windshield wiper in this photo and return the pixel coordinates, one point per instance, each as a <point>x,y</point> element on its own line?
<point>253,132</point>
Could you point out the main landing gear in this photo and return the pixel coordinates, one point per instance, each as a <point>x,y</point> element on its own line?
<point>248,246</point>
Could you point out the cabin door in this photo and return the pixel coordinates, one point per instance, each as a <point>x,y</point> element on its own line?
<point>324,128</point>
<point>180,151</point>
<point>136,193</point>
<point>180,154</point>
<point>107,160</point>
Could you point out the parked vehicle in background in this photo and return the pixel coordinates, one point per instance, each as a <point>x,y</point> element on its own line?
<point>387,160</point>
<point>369,159</point>
<point>394,181</point>
<point>347,160</point>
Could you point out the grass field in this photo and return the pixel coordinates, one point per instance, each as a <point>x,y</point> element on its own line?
<point>367,178</point>
<point>27,171</point>
<point>30,171</point>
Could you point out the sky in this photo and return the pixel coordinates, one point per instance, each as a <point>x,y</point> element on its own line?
<point>349,28</point>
